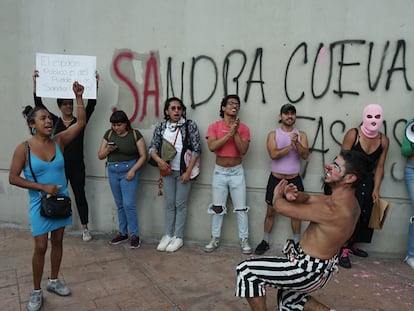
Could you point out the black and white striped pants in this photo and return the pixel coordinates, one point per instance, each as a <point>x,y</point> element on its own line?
<point>295,275</point>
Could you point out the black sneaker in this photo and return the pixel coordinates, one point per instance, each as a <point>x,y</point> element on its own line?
<point>358,252</point>
<point>262,248</point>
<point>119,239</point>
<point>344,261</point>
<point>135,242</point>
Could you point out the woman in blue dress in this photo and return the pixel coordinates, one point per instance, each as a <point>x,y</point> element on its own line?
<point>46,157</point>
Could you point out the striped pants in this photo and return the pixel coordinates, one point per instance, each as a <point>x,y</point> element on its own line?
<point>295,275</point>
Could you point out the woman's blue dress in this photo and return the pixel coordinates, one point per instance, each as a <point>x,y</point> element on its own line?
<point>52,172</point>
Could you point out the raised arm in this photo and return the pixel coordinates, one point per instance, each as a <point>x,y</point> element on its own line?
<point>90,107</point>
<point>38,100</point>
<point>68,135</point>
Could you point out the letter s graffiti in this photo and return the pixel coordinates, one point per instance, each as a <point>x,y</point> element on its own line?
<point>122,77</point>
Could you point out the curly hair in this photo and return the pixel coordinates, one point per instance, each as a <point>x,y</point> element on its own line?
<point>224,102</point>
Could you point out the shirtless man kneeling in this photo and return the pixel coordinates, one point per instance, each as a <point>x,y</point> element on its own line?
<point>314,259</point>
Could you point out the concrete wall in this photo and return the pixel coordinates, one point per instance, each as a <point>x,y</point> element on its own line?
<point>331,58</point>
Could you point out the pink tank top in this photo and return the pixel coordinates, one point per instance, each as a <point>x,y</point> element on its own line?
<point>290,163</point>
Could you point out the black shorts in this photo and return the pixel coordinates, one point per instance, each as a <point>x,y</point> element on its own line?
<point>272,183</point>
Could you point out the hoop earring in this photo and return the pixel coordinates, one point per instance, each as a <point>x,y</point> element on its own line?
<point>33,131</point>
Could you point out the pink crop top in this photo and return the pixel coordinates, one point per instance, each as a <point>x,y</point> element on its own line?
<point>219,129</point>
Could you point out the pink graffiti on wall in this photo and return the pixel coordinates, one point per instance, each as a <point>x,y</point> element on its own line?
<point>151,67</point>
<point>151,75</point>
<point>122,77</point>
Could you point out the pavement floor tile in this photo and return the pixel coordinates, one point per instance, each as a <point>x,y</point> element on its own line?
<point>111,278</point>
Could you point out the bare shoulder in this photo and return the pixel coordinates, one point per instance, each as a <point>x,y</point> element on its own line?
<point>349,138</point>
<point>22,146</point>
<point>346,208</point>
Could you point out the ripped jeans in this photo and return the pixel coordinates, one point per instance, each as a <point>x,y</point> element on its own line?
<point>229,180</point>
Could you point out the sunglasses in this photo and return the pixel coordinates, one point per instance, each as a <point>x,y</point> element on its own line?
<point>178,108</point>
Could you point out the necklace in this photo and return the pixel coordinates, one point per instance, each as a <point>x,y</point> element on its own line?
<point>67,121</point>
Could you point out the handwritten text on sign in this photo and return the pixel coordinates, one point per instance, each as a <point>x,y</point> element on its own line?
<point>57,73</point>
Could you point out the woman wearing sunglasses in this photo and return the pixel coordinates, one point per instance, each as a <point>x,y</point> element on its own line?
<point>183,134</point>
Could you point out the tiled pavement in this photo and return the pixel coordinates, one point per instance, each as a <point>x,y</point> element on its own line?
<point>104,277</point>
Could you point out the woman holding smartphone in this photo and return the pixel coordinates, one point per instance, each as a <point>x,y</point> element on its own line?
<point>125,150</point>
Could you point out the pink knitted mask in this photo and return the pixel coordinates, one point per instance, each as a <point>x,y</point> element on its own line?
<point>372,118</point>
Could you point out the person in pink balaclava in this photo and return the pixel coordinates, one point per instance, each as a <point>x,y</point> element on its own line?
<point>367,139</point>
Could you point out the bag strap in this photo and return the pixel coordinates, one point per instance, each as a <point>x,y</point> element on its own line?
<point>30,162</point>
<point>176,135</point>
<point>356,136</point>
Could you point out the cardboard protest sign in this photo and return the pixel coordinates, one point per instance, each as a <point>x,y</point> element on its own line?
<point>57,72</point>
<point>379,213</point>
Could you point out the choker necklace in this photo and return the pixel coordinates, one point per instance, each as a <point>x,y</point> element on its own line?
<point>69,121</point>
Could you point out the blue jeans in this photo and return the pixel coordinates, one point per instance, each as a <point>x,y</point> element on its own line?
<point>124,192</point>
<point>176,198</point>
<point>409,182</point>
<point>225,180</point>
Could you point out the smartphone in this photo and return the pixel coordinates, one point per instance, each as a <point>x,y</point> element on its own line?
<point>111,143</point>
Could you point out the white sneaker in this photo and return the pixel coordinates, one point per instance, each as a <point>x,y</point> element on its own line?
<point>35,301</point>
<point>174,245</point>
<point>86,235</point>
<point>245,246</point>
<point>57,287</point>
<point>410,261</point>
<point>164,243</point>
<point>210,247</point>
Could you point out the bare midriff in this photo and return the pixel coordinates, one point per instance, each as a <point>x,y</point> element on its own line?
<point>228,161</point>
<point>284,176</point>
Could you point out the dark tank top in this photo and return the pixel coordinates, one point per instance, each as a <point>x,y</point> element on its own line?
<point>373,157</point>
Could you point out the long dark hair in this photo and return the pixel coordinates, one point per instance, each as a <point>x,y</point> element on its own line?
<point>168,103</point>
<point>119,116</point>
